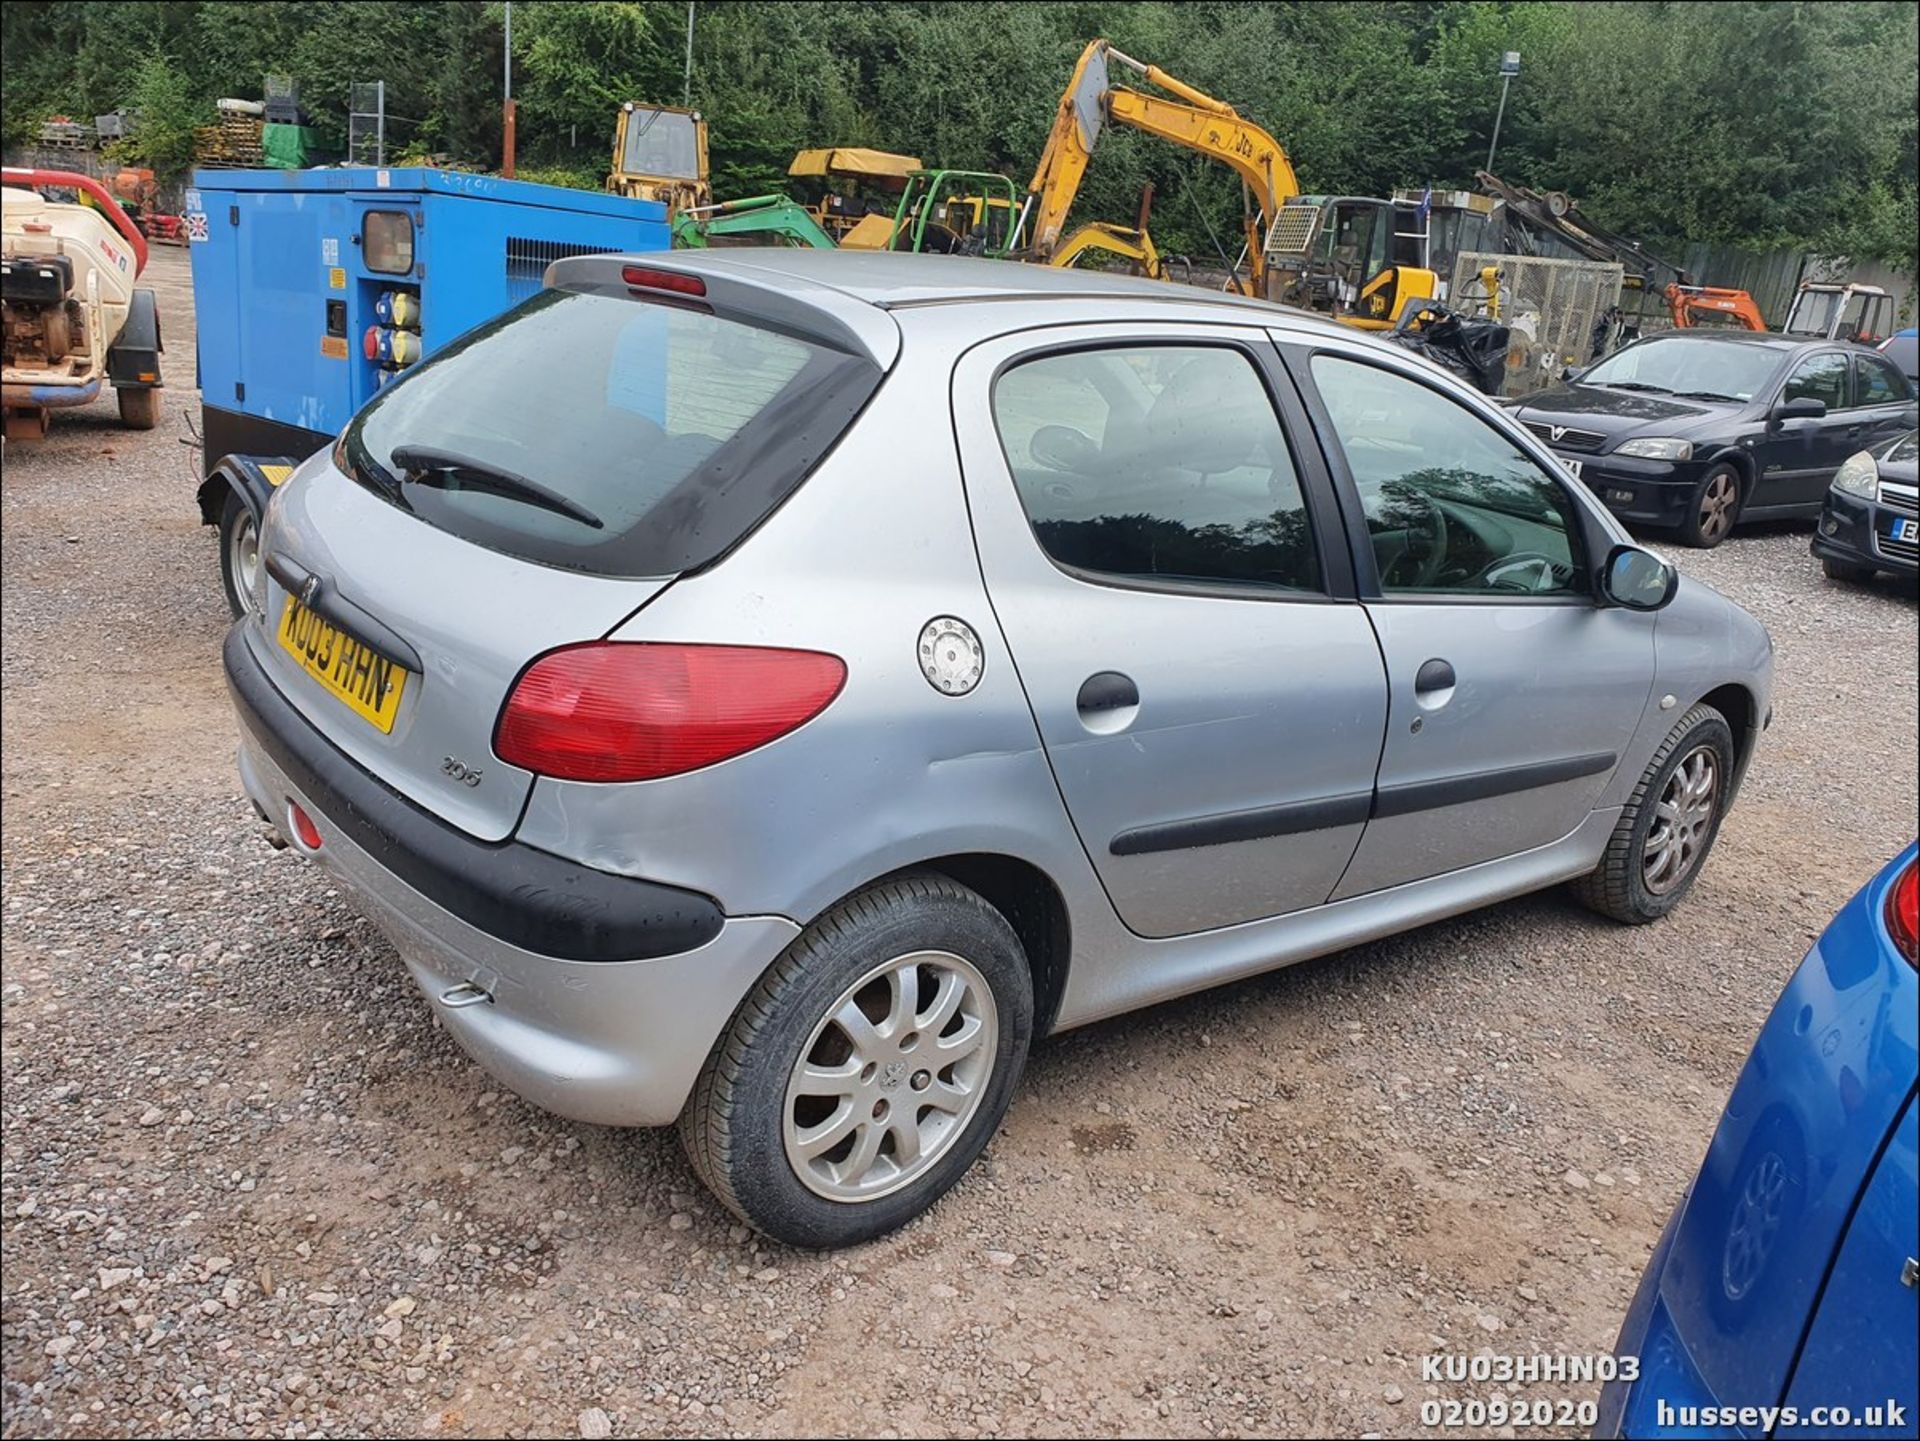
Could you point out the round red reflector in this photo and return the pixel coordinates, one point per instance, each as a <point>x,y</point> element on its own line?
<point>304,828</point>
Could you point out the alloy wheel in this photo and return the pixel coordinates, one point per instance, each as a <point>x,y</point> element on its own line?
<point>1719,503</point>
<point>890,1077</point>
<point>243,555</point>
<point>1682,821</point>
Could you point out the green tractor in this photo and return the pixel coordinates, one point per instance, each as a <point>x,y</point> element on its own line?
<point>946,212</point>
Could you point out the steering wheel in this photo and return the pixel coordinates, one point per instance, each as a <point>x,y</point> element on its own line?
<point>1530,561</point>
<point>1425,549</point>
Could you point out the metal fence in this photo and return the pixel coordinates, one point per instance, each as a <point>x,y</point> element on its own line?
<point>1554,309</point>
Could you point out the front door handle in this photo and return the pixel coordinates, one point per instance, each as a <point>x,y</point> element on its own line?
<point>1108,690</point>
<point>1435,675</point>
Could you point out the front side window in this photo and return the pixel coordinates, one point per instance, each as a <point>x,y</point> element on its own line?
<point>1157,464</point>
<point>386,240</point>
<point>1452,505</point>
<point>1880,383</point>
<point>1820,377</point>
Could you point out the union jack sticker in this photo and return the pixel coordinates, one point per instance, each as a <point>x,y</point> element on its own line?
<point>197,225</point>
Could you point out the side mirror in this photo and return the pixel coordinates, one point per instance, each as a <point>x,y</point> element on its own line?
<point>1571,373</point>
<point>1801,407</point>
<point>1637,579</point>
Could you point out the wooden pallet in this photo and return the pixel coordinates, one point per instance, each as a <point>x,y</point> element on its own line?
<point>233,141</point>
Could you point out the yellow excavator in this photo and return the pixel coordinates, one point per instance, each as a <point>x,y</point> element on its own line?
<point>1273,209</point>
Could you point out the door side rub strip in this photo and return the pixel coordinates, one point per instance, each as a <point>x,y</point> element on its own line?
<point>1298,817</point>
<point>1254,825</point>
<point>1402,800</point>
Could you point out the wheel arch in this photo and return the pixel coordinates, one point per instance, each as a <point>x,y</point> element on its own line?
<point>1033,905</point>
<point>1741,461</point>
<point>1742,711</point>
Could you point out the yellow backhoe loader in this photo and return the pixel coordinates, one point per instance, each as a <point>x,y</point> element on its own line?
<point>660,153</point>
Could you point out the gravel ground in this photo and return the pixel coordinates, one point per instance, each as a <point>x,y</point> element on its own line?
<point>249,1188</point>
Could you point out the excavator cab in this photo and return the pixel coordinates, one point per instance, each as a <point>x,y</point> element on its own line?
<point>1354,257</point>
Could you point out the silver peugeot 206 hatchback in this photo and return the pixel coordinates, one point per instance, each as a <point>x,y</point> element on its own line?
<point>765,691</point>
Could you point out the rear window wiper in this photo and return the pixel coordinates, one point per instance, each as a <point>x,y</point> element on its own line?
<point>421,461</point>
<point>1635,385</point>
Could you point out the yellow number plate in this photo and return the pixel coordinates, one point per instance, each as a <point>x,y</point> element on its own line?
<point>367,684</point>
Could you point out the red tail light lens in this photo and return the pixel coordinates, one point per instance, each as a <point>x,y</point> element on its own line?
<point>636,711</point>
<point>642,278</point>
<point>1903,912</point>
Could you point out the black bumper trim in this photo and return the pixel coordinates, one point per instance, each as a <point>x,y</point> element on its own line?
<point>525,897</point>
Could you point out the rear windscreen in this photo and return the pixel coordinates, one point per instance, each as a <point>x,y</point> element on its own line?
<point>618,437</point>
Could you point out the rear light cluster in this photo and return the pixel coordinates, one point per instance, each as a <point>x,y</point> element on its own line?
<point>636,711</point>
<point>1903,912</point>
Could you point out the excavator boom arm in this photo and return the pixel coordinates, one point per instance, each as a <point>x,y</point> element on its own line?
<point>1195,120</point>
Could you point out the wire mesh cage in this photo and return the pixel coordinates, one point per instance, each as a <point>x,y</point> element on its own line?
<point>367,123</point>
<point>1561,312</point>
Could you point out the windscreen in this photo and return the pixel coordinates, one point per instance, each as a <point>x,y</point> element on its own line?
<point>1690,366</point>
<point>618,437</point>
<point>661,143</point>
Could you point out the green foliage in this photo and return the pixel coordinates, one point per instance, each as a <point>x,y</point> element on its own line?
<point>1757,122</point>
<point>167,115</point>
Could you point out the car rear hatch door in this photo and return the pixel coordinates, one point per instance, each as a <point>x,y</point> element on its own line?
<point>531,486</point>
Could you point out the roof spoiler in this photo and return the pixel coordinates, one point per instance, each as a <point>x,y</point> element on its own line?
<point>738,290</point>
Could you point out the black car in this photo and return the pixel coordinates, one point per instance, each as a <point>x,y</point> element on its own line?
<point>1694,430</point>
<point>1871,521</point>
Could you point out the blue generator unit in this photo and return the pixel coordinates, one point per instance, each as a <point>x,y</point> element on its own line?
<point>314,288</point>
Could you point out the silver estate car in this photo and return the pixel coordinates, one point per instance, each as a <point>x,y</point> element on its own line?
<point>767,690</point>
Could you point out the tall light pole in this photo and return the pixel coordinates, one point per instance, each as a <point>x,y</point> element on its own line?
<point>1509,67</point>
<point>686,74</point>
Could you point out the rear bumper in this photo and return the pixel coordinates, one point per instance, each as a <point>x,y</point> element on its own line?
<point>614,1042</point>
<point>1853,530</point>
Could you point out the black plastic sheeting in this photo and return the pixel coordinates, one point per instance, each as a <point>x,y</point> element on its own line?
<point>1474,350</point>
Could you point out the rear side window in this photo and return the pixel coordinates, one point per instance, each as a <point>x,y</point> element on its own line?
<point>1156,464</point>
<point>618,437</point>
<point>1880,383</point>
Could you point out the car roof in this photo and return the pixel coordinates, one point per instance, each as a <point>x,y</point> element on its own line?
<point>1766,339</point>
<point>892,280</point>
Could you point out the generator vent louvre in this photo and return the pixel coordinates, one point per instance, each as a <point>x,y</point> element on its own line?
<point>527,262</point>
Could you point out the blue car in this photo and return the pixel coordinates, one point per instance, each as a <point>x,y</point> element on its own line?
<point>1784,1284</point>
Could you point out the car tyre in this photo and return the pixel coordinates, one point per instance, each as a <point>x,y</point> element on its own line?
<point>239,554</point>
<point>1668,825</point>
<point>846,1039</point>
<point>139,407</point>
<point>1846,571</point>
<point>1714,508</point>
